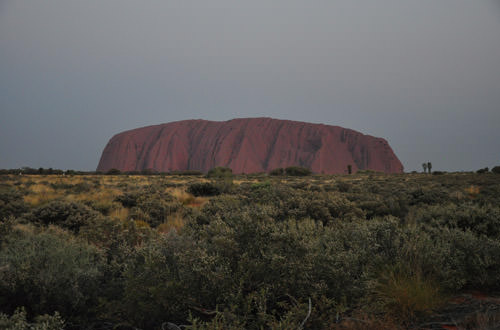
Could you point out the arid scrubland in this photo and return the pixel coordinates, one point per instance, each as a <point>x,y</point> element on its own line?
<point>249,252</point>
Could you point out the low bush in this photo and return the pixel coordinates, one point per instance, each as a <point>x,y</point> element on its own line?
<point>11,203</point>
<point>68,215</point>
<point>18,321</point>
<point>49,271</point>
<point>343,186</point>
<point>203,189</point>
<point>155,209</point>
<point>297,171</point>
<point>220,172</point>
<point>277,171</point>
<point>128,199</point>
<point>482,170</point>
<point>424,195</point>
<point>438,172</point>
<point>482,220</point>
<point>187,172</point>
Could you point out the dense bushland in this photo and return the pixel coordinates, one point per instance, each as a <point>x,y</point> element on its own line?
<point>261,252</point>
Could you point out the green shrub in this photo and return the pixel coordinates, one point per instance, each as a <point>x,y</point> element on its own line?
<point>11,203</point>
<point>496,170</point>
<point>479,219</point>
<point>113,171</point>
<point>297,171</point>
<point>81,187</point>
<point>423,195</point>
<point>69,215</point>
<point>482,170</point>
<point>148,171</point>
<point>220,172</point>
<point>203,189</point>
<point>155,209</point>
<point>299,204</point>
<point>463,260</point>
<point>344,186</point>
<point>223,177</point>
<point>128,199</point>
<point>277,171</point>
<point>47,272</point>
<point>187,172</point>
<point>18,321</point>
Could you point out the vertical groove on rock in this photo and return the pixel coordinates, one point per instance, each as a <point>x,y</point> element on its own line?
<point>271,148</point>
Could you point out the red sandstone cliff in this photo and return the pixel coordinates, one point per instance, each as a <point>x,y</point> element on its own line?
<point>247,146</point>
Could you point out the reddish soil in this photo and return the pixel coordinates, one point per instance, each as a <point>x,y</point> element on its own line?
<point>470,310</point>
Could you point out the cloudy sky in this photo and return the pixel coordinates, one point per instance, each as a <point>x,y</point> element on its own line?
<point>423,74</point>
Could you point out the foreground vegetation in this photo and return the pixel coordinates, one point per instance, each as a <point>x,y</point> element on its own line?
<point>247,252</point>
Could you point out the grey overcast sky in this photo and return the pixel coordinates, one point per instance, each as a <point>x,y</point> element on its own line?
<point>423,74</point>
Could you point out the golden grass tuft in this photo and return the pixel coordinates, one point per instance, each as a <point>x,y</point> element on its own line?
<point>187,199</point>
<point>174,221</point>
<point>105,195</point>
<point>199,202</point>
<point>183,196</point>
<point>120,213</point>
<point>40,188</point>
<point>40,194</point>
<point>473,191</point>
<point>141,224</point>
<point>405,295</point>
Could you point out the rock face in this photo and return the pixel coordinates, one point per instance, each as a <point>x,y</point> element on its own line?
<point>247,146</point>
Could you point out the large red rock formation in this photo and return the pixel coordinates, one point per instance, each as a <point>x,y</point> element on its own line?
<point>247,146</point>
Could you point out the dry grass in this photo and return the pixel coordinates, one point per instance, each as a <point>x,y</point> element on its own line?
<point>482,321</point>
<point>199,202</point>
<point>141,224</point>
<point>104,195</point>
<point>473,191</point>
<point>174,221</point>
<point>406,295</point>
<point>184,197</point>
<point>187,199</point>
<point>120,213</point>
<point>41,194</point>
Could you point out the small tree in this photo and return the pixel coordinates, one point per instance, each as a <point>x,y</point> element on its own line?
<point>482,170</point>
<point>429,167</point>
<point>113,171</point>
<point>223,177</point>
<point>277,171</point>
<point>496,170</point>
<point>297,171</point>
<point>349,169</point>
<point>424,165</point>
<point>220,173</point>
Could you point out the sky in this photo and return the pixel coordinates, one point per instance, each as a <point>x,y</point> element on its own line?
<point>425,75</point>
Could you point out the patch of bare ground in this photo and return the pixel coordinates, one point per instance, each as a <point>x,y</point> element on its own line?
<point>470,310</point>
